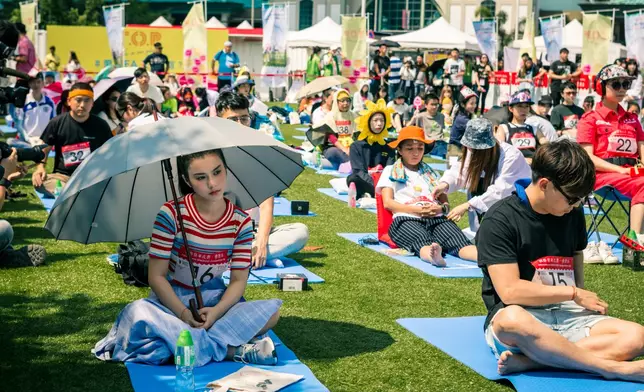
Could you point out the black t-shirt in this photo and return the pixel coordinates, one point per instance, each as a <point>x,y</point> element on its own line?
<point>157,62</point>
<point>74,141</point>
<point>383,64</point>
<point>561,68</point>
<point>566,117</point>
<point>512,232</point>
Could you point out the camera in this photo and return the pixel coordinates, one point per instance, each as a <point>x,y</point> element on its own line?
<point>8,40</point>
<point>34,154</point>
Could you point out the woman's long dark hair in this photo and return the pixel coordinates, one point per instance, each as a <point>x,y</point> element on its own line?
<point>106,103</point>
<point>142,105</point>
<point>481,161</point>
<point>637,68</point>
<point>183,163</point>
<point>461,107</point>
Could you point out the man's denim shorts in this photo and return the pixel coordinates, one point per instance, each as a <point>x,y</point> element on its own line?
<point>568,319</point>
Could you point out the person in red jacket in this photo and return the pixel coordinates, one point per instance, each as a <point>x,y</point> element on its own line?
<point>614,139</point>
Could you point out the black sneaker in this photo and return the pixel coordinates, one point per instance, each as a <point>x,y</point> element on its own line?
<point>27,256</point>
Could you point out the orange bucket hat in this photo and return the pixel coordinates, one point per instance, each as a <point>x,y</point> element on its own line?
<point>410,133</point>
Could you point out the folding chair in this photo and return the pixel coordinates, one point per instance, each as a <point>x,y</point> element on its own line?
<point>607,197</point>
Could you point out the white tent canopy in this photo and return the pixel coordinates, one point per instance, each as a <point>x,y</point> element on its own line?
<point>214,23</point>
<point>326,33</point>
<point>245,26</point>
<point>573,37</point>
<point>438,35</point>
<point>161,22</point>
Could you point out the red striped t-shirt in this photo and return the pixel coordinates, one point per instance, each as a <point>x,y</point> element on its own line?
<point>215,247</point>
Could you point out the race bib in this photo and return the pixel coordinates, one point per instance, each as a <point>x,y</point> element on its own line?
<point>524,141</point>
<point>570,122</point>
<point>622,144</point>
<point>74,154</point>
<point>207,265</point>
<point>344,127</point>
<point>555,270</point>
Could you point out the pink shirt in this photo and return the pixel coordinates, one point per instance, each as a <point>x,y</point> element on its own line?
<point>26,48</point>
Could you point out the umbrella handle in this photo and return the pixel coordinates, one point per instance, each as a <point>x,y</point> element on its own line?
<point>195,311</point>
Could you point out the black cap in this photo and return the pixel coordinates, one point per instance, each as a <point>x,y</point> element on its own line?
<point>545,100</point>
<point>400,94</point>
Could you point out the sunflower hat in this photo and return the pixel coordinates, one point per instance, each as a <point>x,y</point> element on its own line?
<point>362,122</point>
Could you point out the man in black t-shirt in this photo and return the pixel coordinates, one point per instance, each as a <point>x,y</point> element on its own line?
<point>74,135</point>
<point>530,251</point>
<point>159,63</point>
<point>560,71</point>
<point>564,117</point>
<point>381,69</point>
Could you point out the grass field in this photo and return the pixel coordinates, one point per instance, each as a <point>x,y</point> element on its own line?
<point>345,330</point>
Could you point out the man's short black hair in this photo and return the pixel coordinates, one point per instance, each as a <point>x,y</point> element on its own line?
<point>139,72</point>
<point>455,50</point>
<point>81,86</point>
<point>569,86</point>
<point>22,29</point>
<point>564,50</point>
<point>567,164</point>
<point>157,45</point>
<point>230,100</point>
<point>52,47</point>
<point>431,97</point>
<point>525,55</point>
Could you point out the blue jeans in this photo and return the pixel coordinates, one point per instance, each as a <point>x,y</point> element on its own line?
<point>336,156</point>
<point>6,236</point>
<point>393,89</point>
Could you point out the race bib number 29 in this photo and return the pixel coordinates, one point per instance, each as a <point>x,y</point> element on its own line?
<point>555,270</point>
<point>74,154</point>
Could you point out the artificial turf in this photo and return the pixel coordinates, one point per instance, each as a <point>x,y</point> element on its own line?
<point>345,330</point>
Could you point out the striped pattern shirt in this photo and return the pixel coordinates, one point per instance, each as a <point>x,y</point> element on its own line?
<point>394,75</point>
<point>215,247</point>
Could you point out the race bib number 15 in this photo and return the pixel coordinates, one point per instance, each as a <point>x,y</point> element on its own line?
<point>74,154</point>
<point>555,270</point>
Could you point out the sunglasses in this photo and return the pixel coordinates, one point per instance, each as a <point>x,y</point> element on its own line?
<point>625,84</point>
<point>245,120</point>
<point>571,201</point>
<point>573,93</point>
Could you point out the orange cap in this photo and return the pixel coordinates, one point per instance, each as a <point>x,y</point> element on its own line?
<point>410,133</point>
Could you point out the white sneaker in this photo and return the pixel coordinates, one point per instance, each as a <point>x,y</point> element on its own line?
<point>591,254</point>
<point>260,352</point>
<point>606,253</point>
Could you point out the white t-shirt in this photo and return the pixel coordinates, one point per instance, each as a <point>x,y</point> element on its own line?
<point>539,123</point>
<point>37,115</point>
<point>453,67</point>
<point>143,119</point>
<point>416,191</point>
<point>318,116</point>
<point>153,93</point>
<point>400,109</point>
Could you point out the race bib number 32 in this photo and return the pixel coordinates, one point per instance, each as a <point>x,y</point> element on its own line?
<point>74,154</point>
<point>555,270</point>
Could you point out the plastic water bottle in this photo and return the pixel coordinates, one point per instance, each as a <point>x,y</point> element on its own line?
<point>58,189</point>
<point>318,159</point>
<point>351,200</point>
<point>184,359</point>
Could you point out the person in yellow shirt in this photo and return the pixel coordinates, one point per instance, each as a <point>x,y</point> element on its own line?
<point>52,61</point>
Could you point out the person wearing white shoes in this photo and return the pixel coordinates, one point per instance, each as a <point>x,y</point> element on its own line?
<point>599,253</point>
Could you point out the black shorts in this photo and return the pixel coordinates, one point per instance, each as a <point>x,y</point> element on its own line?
<point>412,234</point>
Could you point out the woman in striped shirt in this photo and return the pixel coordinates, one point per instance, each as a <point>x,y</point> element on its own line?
<point>220,237</point>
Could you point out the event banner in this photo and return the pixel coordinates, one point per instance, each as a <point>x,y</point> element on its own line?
<point>634,29</point>
<point>552,30</point>
<point>275,24</point>
<point>114,22</point>
<point>485,31</point>
<point>195,45</point>
<point>528,38</point>
<point>354,48</point>
<point>28,17</point>
<point>597,37</point>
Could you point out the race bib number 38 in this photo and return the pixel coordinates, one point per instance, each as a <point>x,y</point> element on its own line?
<point>74,154</point>
<point>555,270</point>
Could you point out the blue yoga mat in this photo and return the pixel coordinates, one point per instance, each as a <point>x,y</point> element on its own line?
<point>269,275</point>
<point>302,129</point>
<point>47,202</point>
<point>7,129</point>
<point>456,268</point>
<point>283,208</point>
<point>329,172</point>
<point>438,166</point>
<point>462,338</point>
<point>343,198</point>
<point>147,378</point>
<point>299,137</point>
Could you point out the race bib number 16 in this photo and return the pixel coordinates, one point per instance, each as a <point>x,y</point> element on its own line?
<point>74,154</point>
<point>555,270</point>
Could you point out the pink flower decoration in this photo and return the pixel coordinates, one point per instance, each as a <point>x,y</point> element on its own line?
<point>195,69</point>
<point>586,68</point>
<point>352,80</point>
<point>188,52</point>
<point>197,62</point>
<point>356,73</point>
<point>363,69</point>
<point>347,63</point>
<point>202,57</point>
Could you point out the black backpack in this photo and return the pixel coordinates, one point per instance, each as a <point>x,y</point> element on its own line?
<point>133,260</point>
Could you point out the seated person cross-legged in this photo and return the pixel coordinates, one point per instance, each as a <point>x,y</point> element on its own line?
<point>530,251</point>
<point>75,135</point>
<point>614,139</point>
<point>370,152</point>
<point>420,225</point>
